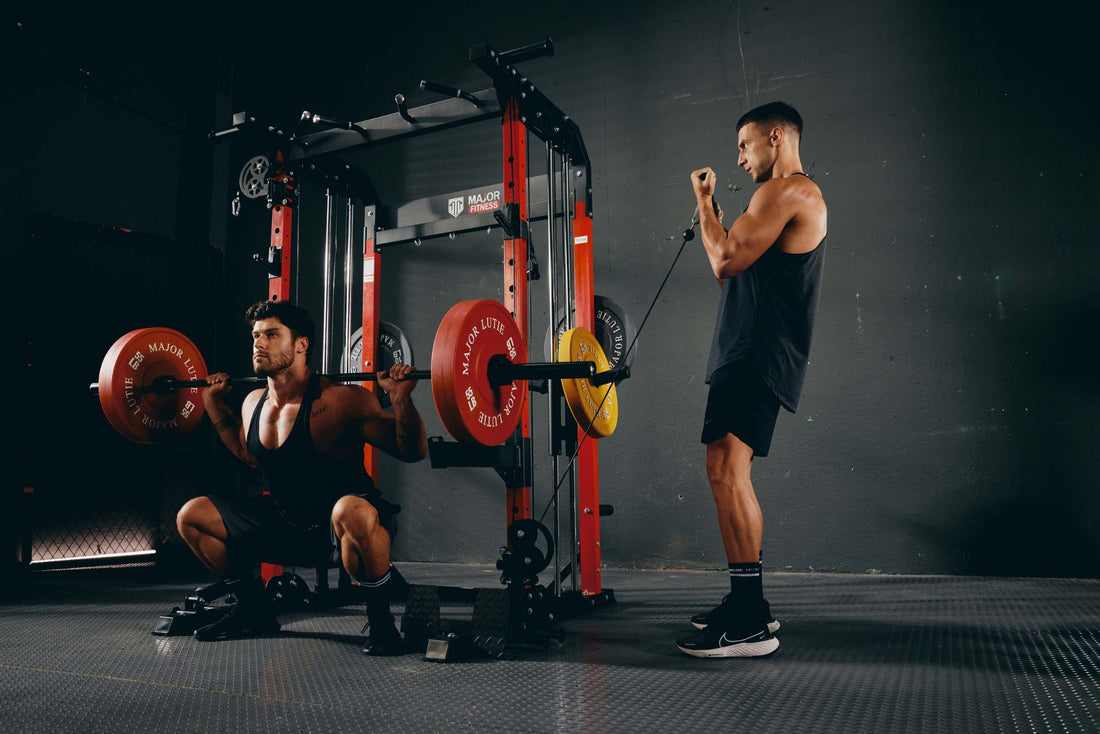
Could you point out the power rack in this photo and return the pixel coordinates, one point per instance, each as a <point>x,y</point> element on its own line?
<point>563,199</point>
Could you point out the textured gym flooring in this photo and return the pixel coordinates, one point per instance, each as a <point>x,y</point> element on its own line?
<point>859,653</point>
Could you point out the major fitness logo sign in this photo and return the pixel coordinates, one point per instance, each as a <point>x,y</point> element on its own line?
<point>483,201</point>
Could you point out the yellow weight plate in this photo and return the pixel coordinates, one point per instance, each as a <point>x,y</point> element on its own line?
<point>595,407</point>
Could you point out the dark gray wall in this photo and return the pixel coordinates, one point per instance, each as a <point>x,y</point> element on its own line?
<point>107,180</point>
<point>946,424</point>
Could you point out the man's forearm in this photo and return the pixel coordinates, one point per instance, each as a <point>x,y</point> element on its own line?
<point>715,237</point>
<point>228,426</point>
<point>409,433</point>
<point>220,414</point>
<point>229,423</point>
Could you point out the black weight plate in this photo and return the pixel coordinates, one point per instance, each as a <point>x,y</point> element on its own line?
<point>615,332</point>
<point>393,348</point>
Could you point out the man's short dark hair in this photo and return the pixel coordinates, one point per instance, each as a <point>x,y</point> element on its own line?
<point>772,114</point>
<point>294,317</point>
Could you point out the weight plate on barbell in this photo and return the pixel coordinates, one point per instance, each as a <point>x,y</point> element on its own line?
<point>393,348</point>
<point>127,372</point>
<point>471,408</point>
<point>615,332</point>
<point>595,407</point>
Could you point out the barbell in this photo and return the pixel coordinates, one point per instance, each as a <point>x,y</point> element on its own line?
<point>149,379</point>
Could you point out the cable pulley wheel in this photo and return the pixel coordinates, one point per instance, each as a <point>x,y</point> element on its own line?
<point>253,179</point>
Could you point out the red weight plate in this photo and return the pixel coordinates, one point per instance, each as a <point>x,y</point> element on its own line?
<point>472,410</point>
<point>108,401</point>
<point>130,367</point>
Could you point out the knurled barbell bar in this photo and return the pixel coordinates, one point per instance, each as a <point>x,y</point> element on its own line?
<point>149,380</point>
<point>501,372</point>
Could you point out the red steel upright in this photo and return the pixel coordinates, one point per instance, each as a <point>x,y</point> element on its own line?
<point>588,470</point>
<point>515,271</point>
<point>278,283</point>
<point>372,270</point>
<point>282,219</point>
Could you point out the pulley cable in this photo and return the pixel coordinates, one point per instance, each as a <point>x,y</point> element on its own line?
<point>688,235</point>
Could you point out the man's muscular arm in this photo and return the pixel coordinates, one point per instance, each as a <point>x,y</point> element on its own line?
<point>399,433</point>
<point>733,251</point>
<point>226,422</point>
<point>410,439</point>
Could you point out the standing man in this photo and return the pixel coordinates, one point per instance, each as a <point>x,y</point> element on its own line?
<point>769,267</point>
<point>306,435</point>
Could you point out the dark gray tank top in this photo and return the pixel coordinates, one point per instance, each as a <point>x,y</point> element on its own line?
<point>305,483</point>
<point>766,317</point>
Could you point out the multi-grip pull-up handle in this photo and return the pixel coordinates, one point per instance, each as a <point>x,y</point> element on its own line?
<point>523,53</point>
<point>501,58</point>
<point>484,53</point>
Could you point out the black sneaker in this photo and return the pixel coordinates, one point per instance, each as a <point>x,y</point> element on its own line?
<point>239,622</point>
<point>384,639</point>
<point>702,620</point>
<point>716,642</point>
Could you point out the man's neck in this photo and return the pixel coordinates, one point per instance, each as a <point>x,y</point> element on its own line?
<point>289,385</point>
<point>787,166</point>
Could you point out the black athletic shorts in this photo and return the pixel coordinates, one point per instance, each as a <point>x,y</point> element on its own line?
<point>259,531</point>
<point>741,403</point>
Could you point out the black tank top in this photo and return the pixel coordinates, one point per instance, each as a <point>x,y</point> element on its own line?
<point>303,482</point>
<point>766,317</point>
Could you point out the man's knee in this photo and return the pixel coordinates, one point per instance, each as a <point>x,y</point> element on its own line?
<point>355,515</point>
<point>198,515</point>
<point>190,513</point>
<point>729,459</point>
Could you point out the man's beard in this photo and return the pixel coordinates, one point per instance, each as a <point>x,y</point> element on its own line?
<point>274,364</point>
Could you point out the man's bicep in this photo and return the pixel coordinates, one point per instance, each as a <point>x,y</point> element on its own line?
<point>757,228</point>
<point>751,235</point>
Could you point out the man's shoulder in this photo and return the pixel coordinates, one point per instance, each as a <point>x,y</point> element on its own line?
<point>800,193</point>
<point>792,195</point>
<point>787,188</point>
<point>797,182</point>
<point>354,398</point>
<point>253,396</point>
<point>331,389</point>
